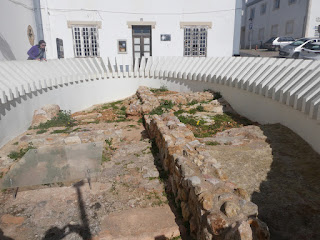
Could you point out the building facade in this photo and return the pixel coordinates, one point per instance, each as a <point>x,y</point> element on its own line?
<point>136,28</point>
<point>263,19</point>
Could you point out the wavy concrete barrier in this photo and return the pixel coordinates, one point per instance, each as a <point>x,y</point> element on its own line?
<point>266,90</point>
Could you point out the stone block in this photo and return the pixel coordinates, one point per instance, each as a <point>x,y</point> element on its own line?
<point>230,209</point>
<point>72,140</point>
<point>45,114</point>
<point>217,223</point>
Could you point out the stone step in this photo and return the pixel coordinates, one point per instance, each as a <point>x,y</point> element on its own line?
<point>143,224</point>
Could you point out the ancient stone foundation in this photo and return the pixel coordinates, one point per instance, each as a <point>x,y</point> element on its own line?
<point>214,207</point>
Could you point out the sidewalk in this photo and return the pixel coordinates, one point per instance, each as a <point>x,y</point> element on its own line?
<point>258,53</point>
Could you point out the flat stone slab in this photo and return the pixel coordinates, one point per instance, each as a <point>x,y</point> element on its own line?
<point>143,224</point>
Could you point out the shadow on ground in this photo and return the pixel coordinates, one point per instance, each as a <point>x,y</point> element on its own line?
<point>289,199</point>
<point>2,237</point>
<point>82,230</point>
<point>183,228</point>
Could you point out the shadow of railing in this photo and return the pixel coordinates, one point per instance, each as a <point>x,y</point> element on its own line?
<point>82,230</point>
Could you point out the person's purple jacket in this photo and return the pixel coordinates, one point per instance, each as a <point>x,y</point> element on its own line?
<point>36,53</point>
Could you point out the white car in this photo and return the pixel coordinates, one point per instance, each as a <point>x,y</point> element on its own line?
<point>276,43</point>
<point>293,50</point>
<point>311,51</point>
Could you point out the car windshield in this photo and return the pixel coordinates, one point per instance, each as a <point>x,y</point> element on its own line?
<point>271,40</point>
<point>299,42</point>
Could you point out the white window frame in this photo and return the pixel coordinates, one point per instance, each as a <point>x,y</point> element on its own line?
<point>198,36</point>
<point>82,50</point>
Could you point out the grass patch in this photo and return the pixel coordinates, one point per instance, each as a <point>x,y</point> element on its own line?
<point>221,122</point>
<point>109,141</point>
<point>105,159</point>
<point>165,106</point>
<point>193,102</point>
<point>41,131</point>
<point>17,155</point>
<point>200,108</point>
<point>64,119</point>
<point>152,178</point>
<point>16,143</point>
<point>212,143</point>
<point>161,89</point>
<point>66,130</point>
<point>179,112</point>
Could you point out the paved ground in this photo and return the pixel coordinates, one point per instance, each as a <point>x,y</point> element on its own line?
<point>258,53</point>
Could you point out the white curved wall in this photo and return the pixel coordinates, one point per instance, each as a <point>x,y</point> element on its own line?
<point>261,89</point>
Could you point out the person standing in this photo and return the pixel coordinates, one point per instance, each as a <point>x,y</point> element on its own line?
<point>38,52</point>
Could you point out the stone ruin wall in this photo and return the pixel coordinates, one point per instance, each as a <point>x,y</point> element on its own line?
<point>213,207</point>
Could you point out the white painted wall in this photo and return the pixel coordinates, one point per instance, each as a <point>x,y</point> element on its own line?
<point>313,19</point>
<point>114,16</point>
<point>15,16</point>
<point>296,12</point>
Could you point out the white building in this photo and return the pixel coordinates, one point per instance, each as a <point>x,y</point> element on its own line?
<point>117,28</point>
<point>264,19</point>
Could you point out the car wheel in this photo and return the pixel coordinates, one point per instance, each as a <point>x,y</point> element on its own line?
<point>295,56</point>
<point>277,49</point>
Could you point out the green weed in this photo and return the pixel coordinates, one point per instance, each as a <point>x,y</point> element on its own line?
<point>17,155</point>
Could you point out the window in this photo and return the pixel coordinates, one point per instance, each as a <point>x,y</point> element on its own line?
<point>195,41</point>
<point>276,4</point>
<point>261,34</point>
<point>289,27</point>
<point>252,13</point>
<point>292,1</point>
<point>263,9</point>
<point>85,41</point>
<point>274,30</point>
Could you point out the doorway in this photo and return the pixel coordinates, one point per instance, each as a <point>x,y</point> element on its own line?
<point>141,41</point>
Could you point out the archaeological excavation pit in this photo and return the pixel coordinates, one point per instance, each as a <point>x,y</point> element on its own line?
<point>164,157</point>
<point>217,148</point>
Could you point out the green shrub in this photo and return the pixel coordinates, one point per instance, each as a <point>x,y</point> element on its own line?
<point>217,95</point>
<point>193,102</point>
<point>200,108</point>
<point>63,119</point>
<point>164,107</point>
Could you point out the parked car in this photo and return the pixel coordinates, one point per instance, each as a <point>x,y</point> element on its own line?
<point>275,43</point>
<point>311,51</point>
<point>293,50</point>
